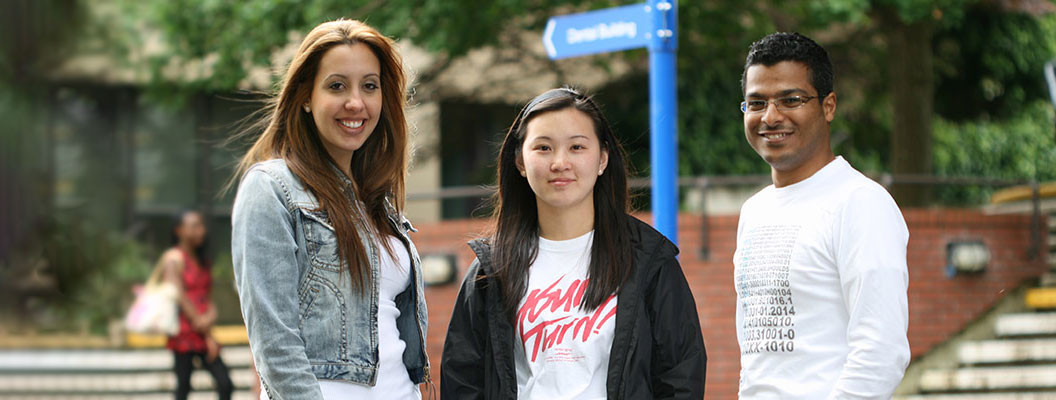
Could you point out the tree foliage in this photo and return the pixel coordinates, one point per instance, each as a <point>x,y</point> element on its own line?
<point>989,66</point>
<point>986,60</point>
<point>1020,147</point>
<point>237,35</point>
<point>28,42</point>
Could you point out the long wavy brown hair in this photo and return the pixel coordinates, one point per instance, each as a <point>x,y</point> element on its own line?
<point>378,168</point>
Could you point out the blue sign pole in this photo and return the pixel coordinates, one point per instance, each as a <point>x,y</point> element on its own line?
<point>663,117</point>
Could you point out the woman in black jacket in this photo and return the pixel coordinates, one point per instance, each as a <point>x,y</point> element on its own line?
<point>570,297</point>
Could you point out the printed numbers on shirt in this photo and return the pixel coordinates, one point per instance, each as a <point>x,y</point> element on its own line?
<point>773,311</point>
<point>773,346</point>
<point>772,333</point>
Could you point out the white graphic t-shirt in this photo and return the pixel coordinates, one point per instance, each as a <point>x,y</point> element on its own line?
<point>821,280</point>
<point>562,351</point>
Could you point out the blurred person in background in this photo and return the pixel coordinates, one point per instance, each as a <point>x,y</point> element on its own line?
<point>572,297</point>
<point>187,267</point>
<point>329,281</point>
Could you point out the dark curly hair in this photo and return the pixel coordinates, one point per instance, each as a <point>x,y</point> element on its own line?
<point>783,46</point>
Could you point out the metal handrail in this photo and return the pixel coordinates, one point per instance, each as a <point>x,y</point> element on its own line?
<point>638,183</point>
<point>708,181</point>
<point>704,182</point>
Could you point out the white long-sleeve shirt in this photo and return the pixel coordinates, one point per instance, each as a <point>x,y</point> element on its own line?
<point>821,279</point>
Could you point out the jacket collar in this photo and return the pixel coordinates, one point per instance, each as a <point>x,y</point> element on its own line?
<point>482,249</point>
<point>346,182</point>
<point>350,191</point>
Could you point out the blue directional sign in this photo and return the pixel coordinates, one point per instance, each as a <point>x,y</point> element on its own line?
<point>610,29</point>
<point>652,24</point>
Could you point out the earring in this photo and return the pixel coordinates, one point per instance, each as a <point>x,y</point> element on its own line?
<point>524,174</point>
<point>307,109</point>
<point>601,171</point>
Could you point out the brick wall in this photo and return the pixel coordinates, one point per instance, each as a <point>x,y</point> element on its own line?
<point>939,306</point>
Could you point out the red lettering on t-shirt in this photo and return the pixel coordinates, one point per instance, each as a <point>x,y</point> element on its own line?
<point>547,334</point>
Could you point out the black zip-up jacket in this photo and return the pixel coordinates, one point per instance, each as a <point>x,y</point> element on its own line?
<point>657,349</point>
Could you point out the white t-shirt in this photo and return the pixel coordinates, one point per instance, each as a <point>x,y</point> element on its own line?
<point>562,351</point>
<point>821,279</point>
<point>393,382</point>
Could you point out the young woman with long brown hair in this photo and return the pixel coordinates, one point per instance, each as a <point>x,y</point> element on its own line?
<point>570,297</point>
<point>329,281</point>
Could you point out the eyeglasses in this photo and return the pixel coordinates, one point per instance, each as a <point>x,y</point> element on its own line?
<point>782,103</point>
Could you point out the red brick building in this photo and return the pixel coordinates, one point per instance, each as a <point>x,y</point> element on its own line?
<point>939,306</point>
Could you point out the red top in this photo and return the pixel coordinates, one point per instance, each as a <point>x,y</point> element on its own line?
<point>197,283</point>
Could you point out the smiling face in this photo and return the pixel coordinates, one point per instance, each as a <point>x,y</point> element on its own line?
<point>346,100</point>
<point>562,158</point>
<point>794,142</point>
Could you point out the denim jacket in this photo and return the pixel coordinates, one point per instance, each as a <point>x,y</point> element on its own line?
<point>305,320</point>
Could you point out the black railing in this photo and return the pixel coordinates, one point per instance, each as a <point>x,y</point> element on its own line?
<point>703,183</point>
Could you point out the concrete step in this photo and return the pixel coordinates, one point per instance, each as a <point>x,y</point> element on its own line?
<point>1041,298</point>
<point>110,383</point>
<point>226,335</point>
<point>1026,324</point>
<point>990,378</point>
<point>198,395</point>
<point>1007,351</point>
<point>96,374</point>
<point>984,396</point>
<point>1048,279</point>
<point>58,361</point>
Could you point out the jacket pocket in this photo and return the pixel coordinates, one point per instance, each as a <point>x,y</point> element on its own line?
<point>320,240</point>
<point>323,321</point>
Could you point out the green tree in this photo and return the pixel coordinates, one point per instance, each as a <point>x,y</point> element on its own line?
<point>1020,147</point>
<point>985,50</point>
<point>898,61</point>
<point>989,66</point>
<point>246,33</point>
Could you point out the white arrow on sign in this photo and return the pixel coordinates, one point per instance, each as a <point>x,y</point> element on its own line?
<point>548,38</point>
<point>598,31</point>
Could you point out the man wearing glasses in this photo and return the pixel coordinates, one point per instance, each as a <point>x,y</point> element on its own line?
<point>820,267</point>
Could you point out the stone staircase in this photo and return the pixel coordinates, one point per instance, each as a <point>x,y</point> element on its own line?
<point>141,369</point>
<point>1015,357</point>
<point>109,374</point>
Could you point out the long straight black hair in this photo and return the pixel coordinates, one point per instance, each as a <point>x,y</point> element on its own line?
<point>516,218</point>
